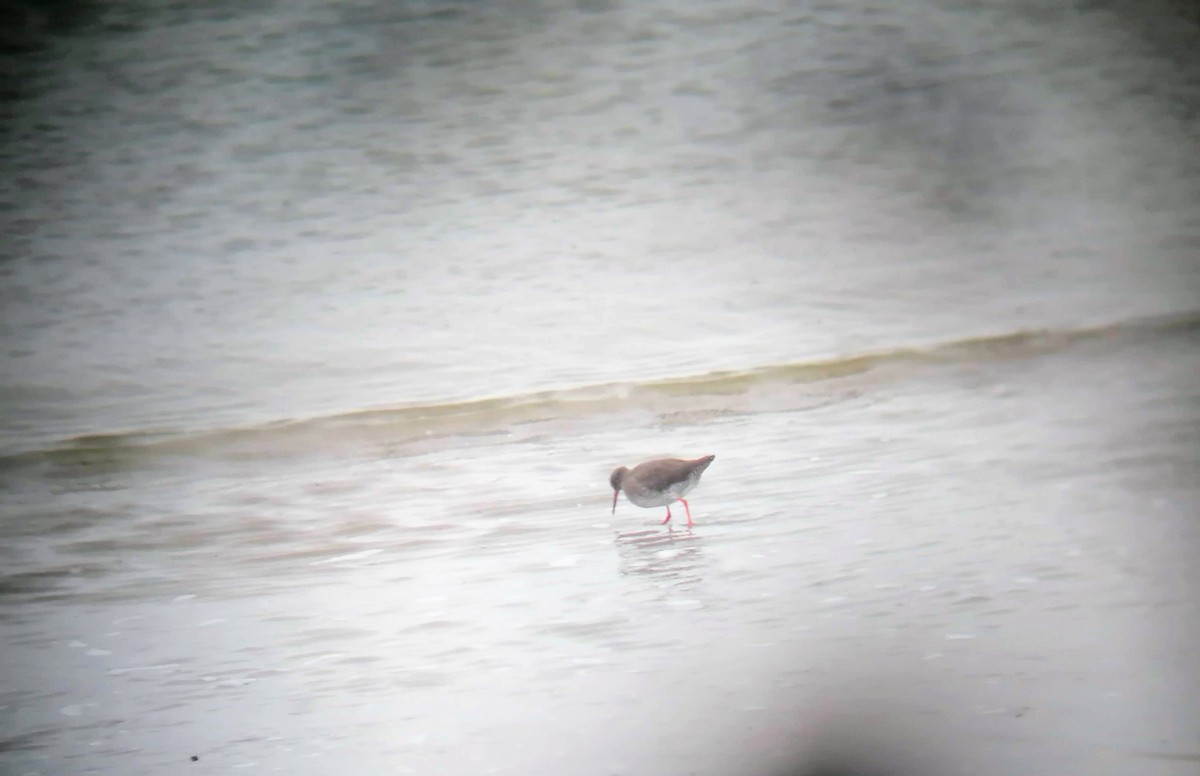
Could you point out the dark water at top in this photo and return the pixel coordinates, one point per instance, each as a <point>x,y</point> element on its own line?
<point>227,215</point>
<point>324,324</point>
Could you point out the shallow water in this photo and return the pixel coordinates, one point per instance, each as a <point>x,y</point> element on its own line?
<point>324,326</point>
<point>1013,536</point>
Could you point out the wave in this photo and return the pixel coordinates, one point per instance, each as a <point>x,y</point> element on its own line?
<point>700,395</point>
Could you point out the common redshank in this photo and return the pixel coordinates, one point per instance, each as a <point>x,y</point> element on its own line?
<point>659,483</point>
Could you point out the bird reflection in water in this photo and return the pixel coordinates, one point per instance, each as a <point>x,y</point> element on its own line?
<point>672,555</point>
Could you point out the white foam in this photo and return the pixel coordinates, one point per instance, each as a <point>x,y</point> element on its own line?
<point>361,554</point>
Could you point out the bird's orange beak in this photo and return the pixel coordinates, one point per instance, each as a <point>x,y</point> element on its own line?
<point>615,494</point>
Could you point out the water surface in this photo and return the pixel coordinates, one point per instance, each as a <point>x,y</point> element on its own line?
<point>323,327</point>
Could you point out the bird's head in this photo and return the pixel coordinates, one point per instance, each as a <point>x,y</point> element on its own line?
<point>615,479</point>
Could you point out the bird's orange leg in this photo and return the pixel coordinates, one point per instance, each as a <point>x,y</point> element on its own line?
<point>664,522</point>
<point>688,509</point>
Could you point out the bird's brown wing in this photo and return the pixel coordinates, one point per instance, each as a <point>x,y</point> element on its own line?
<point>660,474</point>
